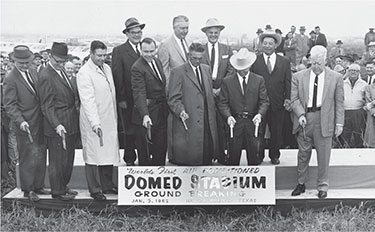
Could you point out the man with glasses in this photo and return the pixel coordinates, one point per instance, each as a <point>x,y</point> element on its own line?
<point>192,103</point>
<point>317,101</point>
<point>123,58</point>
<point>59,98</point>
<point>355,116</point>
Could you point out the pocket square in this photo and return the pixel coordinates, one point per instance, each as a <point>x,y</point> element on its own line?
<point>225,56</point>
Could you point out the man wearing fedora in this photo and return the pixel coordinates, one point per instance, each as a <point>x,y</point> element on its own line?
<point>276,72</point>
<point>335,52</point>
<point>257,46</point>
<point>369,37</point>
<point>123,58</point>
<point>217,56</point>
<point>243,102</point>
<point>59,100</point>
<point>192,104</point>
<point>320,37</point>
<point>302,44</point>
<point>21,102</point>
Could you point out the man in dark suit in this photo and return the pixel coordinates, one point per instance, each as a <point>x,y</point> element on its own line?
<point>276,72</point>
<point>58,97</point>
<point>318,109</point>
<point>243,102</point>
<point>217,56</point>
<point>123,58</point>
<point>150,106</point>
<point>320,37</point>
<point>21,101</point>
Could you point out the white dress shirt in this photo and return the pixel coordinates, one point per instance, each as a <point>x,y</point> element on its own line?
<point>272,59</point>
<point>216,62</point>
<point>240,79</point>
<point>135,47</point>
<point>156,67</point>
<point>180,45</point>
<point>61,75</point>
<point>319,95</point>
<point>199,71</point>
<point>25,78</point>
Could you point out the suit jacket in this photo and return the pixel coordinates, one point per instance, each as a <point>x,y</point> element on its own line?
<point>148,92</point>
<point>123,58</point>
<point>257,46</point>
<point>302,45</point>
<point>224,69</point>
<point>332,109</point>
<point>321,40</point>
<point>171,56</point>
<point>186,94</point>
<point>22,103</point>
<point>58,102</point>
<point>232,100</point>
<point>277,83</point>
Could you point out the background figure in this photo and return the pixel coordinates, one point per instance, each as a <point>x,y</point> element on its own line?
<point>151,108</point>
<point>312,40</point>
<point>217,56</point>
<point>257,46</point>
<point>98,120</point>
<point>355,122</point>
<point>290,46</point>
<point>318,106</point>
<point>335,52</point>
<point>280,49</point>
<point>370,54</point>
<point>243,102</point>
<point>302,44</point>
<point>320,37</point>
<point>369,37</point>
<point>369,139</point>
<point>123,58</point>
<point>192,103</point>
<point>69,70</point>
<point>370,71</point>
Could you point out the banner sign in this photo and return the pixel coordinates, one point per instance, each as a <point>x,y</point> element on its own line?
<point>203,185</point>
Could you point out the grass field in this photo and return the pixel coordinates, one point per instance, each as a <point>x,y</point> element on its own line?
<point>342,218</point>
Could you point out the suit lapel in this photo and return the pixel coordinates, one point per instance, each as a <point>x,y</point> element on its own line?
<point>130,50</point>
<point>206,57</point>
<point>237,83</point>
<point>60,79</point>
<point>306,87</point>
<point>326,84</point>
<point>191,75</point>
<point>178,49</point>
<point>149,69</point>
<point>23,81</point>
<point>277,64</point>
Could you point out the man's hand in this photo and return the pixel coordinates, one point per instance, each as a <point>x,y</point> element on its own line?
<point>123,104</point>
<point>96,129</point>
<point>367,106</point>
<point>24,126</point>
<point>338,130</point>
<point>231,121</point>
<point>60,129</point>
<point>216,92</point>
<point>257,119</point>
<point>184,116</point>
<point>287,105</point>
<point>146,121</point>
<point>302,121</point>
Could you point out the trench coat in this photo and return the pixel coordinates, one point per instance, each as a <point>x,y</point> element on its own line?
<point>185,94</point>
<point>98,107</point>
<point>369,140</point>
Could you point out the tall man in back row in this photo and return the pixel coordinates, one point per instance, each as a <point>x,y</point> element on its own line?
<point>276,72</point>
<point>123,58</point>
<point>318,106</point>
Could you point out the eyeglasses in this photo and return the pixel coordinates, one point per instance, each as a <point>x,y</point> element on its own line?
<point>353,70</point>
<point>135,32</point>
<point>58,61</point>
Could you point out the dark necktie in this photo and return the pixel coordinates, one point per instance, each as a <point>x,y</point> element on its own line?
<point>244,85</point>
<point>30,81</point>
<point>136,48</point>
<point>184,48</point>
<point>269,65</point>
<point>212,56</point>
<point>315,92</point>
<point>198,77</point>
<point>66,79</point>
<point>155,70</point>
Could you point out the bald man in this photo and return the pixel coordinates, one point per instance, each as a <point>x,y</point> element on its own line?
<point>317,101</point>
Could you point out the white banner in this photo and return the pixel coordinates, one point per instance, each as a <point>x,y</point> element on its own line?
<point>203,185</point>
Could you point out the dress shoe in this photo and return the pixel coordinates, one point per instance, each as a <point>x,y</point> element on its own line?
<point>299,189</point>
<point>32,196</point>
<point>111,191</point>
<point>130,164</point>
<point>71,192</point>
<point>42,192</point>
<point>99,196</point>
<point>63,197</point>
<point>275,161</point>
<point>322,194</point>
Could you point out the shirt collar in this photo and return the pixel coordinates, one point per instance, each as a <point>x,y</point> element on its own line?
<point>322,74</point>
<point>246,76</point>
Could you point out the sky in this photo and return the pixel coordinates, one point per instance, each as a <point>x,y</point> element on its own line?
<point>84,17</point>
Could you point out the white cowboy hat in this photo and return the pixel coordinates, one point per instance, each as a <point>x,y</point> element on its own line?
<point>243,59</point>
<point>272,34</point>
<point>212,22</point>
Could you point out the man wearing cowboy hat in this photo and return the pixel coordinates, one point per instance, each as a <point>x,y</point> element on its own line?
<point>217,56</point>
<point>59,100</point>
<point>123,58</point>
<point>302,44</point>
<point>369,37</point>
<point>257,46</point>
<point>276,72</point>
<point>243,102</point>
<point>21,101</point>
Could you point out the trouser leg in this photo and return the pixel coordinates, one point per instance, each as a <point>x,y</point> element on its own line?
<point>92,176</point>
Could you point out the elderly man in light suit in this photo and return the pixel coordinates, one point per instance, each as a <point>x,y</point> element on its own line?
<point>317,97</point>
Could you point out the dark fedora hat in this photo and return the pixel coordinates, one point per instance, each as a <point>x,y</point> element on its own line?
<point>60,50</point>
<point>339,42</point>
<point>36,54</point>
<point>22,53</point>
<point>132,23</point>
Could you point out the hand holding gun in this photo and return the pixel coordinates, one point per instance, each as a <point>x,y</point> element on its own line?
<point>29,135</point>
<point>149,131</point>
<point>100,134</point>
<point>63,140</point>
<point>184,116</point>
